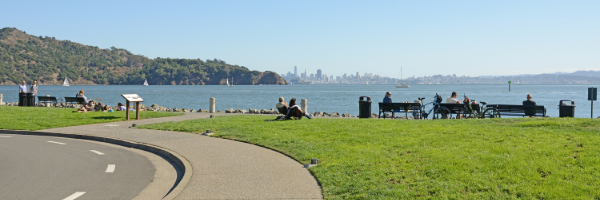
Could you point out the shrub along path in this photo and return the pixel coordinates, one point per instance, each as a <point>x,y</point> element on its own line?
<point>556,158</point>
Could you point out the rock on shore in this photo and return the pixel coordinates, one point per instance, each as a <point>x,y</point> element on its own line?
<point>157,108</point>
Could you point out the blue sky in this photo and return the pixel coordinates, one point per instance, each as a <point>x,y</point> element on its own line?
<point>425,37</point>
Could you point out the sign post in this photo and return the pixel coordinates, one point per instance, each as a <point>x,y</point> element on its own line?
<point>509,86</point>
<point>132,98</point>
<point>592,96</point>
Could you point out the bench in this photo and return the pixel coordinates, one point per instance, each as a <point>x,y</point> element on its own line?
<point>74,100</point>
<point>519,110</point>
<point>397,107</point>
<point>453,108</point>
<point>47,100</point>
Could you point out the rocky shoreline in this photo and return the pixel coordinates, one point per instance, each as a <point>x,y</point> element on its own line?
<point>157,108</point>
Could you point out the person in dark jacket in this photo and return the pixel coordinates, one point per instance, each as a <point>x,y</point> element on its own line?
<point>529,102</point>
<point>388,99</point>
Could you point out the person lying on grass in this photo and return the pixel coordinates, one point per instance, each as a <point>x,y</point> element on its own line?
<point>87,107</point>
<point>107,108</point>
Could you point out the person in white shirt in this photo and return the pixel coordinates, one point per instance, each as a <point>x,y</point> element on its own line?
<point>23,88</point>
<point>452,99</point>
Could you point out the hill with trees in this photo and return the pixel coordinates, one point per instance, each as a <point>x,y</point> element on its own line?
<point>50,61</point>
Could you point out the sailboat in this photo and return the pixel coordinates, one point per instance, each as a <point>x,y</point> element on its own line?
<point>145,82</point>
<point>402,85</point>
<point>66,83</point>
<point>227,82</point>
<point>232,82</point>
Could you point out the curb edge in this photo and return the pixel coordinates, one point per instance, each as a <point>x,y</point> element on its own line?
<point>179,160</point>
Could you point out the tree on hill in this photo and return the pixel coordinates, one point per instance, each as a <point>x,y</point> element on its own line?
<point>26,57</point>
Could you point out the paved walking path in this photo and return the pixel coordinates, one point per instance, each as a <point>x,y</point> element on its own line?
<point>222,169</point>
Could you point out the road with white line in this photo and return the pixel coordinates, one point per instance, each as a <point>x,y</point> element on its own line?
<point>42,167</point>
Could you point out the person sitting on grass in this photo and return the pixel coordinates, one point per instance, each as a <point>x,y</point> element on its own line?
<point>295,111</point>
<point>282,106</point>
<point>88,107</point>
<point>120,107</point>
<point>80,95</point>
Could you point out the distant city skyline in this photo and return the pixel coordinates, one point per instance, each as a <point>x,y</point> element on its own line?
<point>472,38</point>
<point>580,77</point>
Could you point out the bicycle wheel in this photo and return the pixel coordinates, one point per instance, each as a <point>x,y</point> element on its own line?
<point>468,113</point>
<point>422,113</point>
<point>442,113</point>
<point>491,113</point>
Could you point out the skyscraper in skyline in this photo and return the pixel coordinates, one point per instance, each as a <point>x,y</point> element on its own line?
<point>295,70</point>
<point>319,76</point>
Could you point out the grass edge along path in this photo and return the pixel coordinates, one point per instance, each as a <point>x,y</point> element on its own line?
<point>556,158</point>
<point>37,118</point>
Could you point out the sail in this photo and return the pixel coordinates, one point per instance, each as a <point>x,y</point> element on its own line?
<point>66,83</point>
<point>145,82</point>
<point>227,82</point>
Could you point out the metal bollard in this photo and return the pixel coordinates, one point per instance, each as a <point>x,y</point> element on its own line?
<point>211,108</point>
<point>304,105</point>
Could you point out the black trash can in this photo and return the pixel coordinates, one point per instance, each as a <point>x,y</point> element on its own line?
<point>566,110</point>
<point>30,99</point>
<point>22,99</point>
<point>364,107</point>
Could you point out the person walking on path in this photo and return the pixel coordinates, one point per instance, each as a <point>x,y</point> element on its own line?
<point>529,102</point>
<point>34,88</point>
<point>23,88</point>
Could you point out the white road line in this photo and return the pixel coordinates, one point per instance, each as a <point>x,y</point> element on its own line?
<point>97,152</point>
<point>56,142</point>
<point>110,168</point>
<point>74,196</point>
<point>5,136</point>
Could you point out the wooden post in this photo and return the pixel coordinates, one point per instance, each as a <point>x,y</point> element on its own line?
<point>137,110</point>
<point>211,106</point>
<point>304,105</point>
<point>127,109</point>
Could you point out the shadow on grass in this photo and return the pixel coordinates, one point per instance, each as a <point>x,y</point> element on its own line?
<point>105,117</point>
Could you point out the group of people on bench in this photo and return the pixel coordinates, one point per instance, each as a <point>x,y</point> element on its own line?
<point>290,111</point>
<point>452,100</point>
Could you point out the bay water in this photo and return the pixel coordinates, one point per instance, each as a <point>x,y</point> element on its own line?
<point>326,98</point>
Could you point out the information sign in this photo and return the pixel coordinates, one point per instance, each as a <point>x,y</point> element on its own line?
<point>132,97</point>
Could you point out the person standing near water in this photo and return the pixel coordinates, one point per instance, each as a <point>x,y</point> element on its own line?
<point>23,88</point>
<point>34,88</point>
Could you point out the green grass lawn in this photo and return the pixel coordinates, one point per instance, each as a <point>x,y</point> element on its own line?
<point>36,118</point>
<point>556,158</point>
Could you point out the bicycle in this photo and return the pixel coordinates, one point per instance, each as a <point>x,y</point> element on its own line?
<point>480,112</point>
<point>438,112</point>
